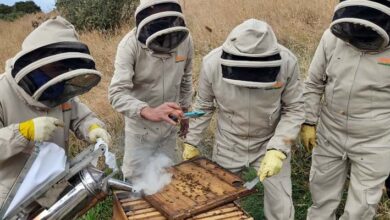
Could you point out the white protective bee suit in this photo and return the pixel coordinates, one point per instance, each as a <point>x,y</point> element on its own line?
<point>153,66</point>
<point>350,71</point>
<point>254,82</point>
<point>28,91</point>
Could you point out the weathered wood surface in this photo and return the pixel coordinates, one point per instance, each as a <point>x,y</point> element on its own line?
<point>197,186</point>
<point>126,208</point>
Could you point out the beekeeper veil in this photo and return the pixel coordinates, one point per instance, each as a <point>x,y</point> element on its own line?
<point>160,25</point>
<point>54,66</point>
<point>365,24</point>
<point>251,56</point>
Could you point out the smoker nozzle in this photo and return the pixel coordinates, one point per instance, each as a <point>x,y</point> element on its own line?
<point>120,185</point>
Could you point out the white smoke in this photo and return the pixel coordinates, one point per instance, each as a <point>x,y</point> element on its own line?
<point>153,174</point>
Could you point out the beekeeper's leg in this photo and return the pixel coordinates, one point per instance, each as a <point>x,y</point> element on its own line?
<point>327,177</point>
<point>278,204</point>
<point>168,146</point>
<point>369,170</point>
<point>137,150</point>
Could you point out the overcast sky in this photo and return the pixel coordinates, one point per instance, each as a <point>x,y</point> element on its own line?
<point>46,5</point>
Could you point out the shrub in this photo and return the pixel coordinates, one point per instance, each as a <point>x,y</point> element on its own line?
<point>5,9</point>
<point>10,13</point>
<point>103,15</point>
<point>27,7</point>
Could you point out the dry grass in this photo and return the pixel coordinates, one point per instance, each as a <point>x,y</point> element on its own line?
<point>11,35</point>
<point>296,20</point>
<point>298,24</point>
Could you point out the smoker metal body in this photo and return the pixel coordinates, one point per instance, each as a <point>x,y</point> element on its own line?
<point>92,187</point>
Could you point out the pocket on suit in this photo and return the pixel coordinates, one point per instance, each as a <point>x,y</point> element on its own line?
<point>224,154</point>
<point>287,187</point>
<point>373,163</point>
<point>374,195</point>
<point>274,116</point>
<point>137,136</point>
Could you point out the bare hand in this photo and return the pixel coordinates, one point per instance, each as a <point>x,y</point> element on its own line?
<point>162,112</point>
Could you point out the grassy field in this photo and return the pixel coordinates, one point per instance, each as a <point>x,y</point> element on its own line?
<point>298,24</point>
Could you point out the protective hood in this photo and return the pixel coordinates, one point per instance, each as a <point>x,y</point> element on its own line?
<point>53,65</point>
<point>251,55</point>
<point>160,25</point>
<point>364,24</point>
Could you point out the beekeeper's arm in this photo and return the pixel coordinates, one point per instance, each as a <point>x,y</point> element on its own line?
<point>122,81</point>
<point>205,102</point>
<point>185,98</point>
<point>85,124</point>
<point>316,80</point>
<point>292,113</point>
<point>186,82</point>
<point>314,89</point>
<point>12,141</point>
<point>292,116</point>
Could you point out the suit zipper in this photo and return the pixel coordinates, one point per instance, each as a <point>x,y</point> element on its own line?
<point>163,99</point>
<point>349,100</point>
<point>249,125</point>
<point>249,110</point>
<point>163,61</point>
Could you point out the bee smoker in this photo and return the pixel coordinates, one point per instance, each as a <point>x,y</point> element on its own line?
<point>89,188</point>
<point>81,184</point>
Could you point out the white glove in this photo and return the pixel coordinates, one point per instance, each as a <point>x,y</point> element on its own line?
<point>39,129</point>
<point>95,132</point>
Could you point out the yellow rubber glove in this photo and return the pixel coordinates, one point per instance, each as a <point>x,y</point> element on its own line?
<point>190,151</point>
<point>271,164</point>
<point>95,132</point>
<point>39,129</point>
<point>308,137</point>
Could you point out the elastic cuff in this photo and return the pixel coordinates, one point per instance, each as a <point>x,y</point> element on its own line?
<point>93,127</point>
<point>285,154</point>
<point>139,109</point>
<point>310,123</point>
<point>190,144</point>
<point>19,136</point>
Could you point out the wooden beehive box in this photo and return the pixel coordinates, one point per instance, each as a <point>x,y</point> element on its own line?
<point>139,209</point>
<point>197,186</point>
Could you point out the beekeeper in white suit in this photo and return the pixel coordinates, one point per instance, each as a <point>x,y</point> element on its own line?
<point>153,80</point>
<point>255,84</point>
<point>350,72</point>
<point>37,97</point>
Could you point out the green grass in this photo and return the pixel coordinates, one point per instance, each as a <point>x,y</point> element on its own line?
<point>101,211</point>
<point>253,204</point>
<point>301,195</point>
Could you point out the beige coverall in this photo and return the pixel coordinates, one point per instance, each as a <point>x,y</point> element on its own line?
<point>353,124</point>
<point>17,106</point>
<point>144,78</point>
<point>250,122</point>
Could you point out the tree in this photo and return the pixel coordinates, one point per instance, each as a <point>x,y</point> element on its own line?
<point>100,15</point>
<point>19,9</point>
<point>5,9</point>
<point>27,7</point>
